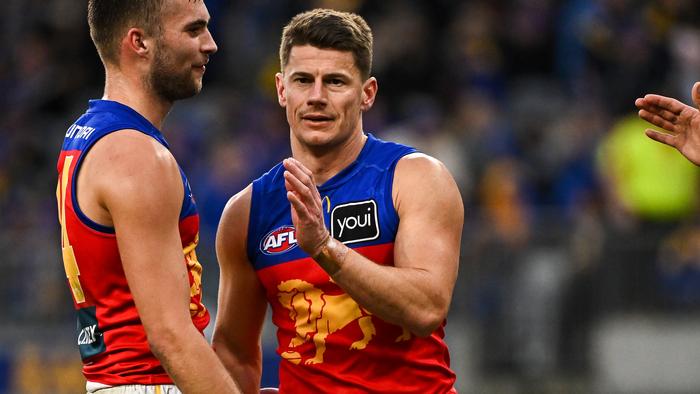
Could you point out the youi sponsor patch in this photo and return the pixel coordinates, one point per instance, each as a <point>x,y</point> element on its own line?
<point>279,240</point>
<point>355,222</point>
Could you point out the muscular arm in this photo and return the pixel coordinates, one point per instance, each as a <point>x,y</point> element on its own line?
<point>682,122</point>
<point>416,292</point>
<point>137,182</point>
<point>242,302</point>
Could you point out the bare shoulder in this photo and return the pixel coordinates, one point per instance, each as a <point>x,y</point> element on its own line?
<point>237,208</point>
<point>420,164</point>
<point>422,181</point>
<point>427,201</point>
<point>232,233</point>
<point>131,150</point>
<point>128,163</point>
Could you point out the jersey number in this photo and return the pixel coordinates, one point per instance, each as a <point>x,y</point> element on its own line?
<point>69,263</point>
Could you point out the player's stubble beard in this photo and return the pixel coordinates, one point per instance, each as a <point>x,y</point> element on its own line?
<point>169,82</point>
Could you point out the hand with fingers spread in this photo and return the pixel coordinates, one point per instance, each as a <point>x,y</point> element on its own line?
<point>307,207</point>
<point>680,120</point>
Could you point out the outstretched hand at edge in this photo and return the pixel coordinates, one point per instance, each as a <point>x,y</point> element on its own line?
<point>681,121</point>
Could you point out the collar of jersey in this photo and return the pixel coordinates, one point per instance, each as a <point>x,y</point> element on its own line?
<point>114,106</point>
<point>348,172</point>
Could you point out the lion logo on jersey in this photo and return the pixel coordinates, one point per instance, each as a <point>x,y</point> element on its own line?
<point>317,315</point>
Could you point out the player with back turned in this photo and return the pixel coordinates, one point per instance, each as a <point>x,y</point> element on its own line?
<point>354,242</point>
<point>129,224</point>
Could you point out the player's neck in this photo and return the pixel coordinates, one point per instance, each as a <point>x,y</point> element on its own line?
<point>131,92</point>
<point>325,163</point>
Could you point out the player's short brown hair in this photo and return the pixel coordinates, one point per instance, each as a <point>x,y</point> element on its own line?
<point>330,29</point>
<point>110,19</point>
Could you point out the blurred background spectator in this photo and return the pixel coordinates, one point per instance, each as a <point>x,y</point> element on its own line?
<point>576,224</point>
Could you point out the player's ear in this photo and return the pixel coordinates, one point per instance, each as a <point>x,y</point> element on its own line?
<point>137,42</point>
<point>281,91</point>
<point>369,93</point>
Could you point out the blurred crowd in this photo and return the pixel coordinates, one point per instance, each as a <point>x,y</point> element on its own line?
<point>572,214</point>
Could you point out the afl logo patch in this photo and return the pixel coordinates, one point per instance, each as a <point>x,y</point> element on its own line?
<point>278,241</point>
<point>355,222</point>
